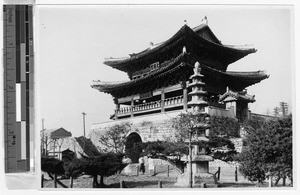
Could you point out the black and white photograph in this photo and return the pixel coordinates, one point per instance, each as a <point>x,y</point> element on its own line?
<point>165,96</point>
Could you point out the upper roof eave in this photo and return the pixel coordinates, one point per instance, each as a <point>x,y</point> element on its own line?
<point>119,63</point>
<point>204,26</point>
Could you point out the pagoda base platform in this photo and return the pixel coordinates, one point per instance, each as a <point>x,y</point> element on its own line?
<point>199,179</point>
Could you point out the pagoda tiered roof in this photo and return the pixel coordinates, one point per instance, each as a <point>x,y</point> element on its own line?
<point>236,95</point>
<point>199,40</point>
<point>175,70</point>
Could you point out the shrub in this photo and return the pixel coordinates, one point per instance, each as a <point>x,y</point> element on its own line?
<point>269,149</point>
<point>52,166</point>
<point>73,168</point>
<point>103,164</point>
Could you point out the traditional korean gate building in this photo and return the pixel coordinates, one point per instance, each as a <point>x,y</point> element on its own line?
<point>159,76</point>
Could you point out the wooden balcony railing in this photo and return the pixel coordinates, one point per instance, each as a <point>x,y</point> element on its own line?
<point>155,105</point>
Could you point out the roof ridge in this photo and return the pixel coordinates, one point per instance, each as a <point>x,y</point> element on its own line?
<point>180,35</point>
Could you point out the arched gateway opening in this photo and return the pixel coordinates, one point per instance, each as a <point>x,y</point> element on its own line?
<point>133,146</point>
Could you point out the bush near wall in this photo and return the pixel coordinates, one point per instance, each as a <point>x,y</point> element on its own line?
<point>224,127</point>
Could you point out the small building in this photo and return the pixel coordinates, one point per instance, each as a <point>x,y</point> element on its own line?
<point>67,155</point>
<point>52,141</point>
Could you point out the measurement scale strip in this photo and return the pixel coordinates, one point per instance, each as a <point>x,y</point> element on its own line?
<point>9,88</point>
<point>18,87</point>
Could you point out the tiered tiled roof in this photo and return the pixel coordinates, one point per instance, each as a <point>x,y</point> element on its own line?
<point>198,39</point>
<point>173,71</point>
<point>157,79</point>
<point>175,58</point>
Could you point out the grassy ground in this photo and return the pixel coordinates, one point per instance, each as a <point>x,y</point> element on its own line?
<point>131,181</point>
<point>227,179</point>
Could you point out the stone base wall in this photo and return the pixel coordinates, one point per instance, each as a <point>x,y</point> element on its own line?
<point>156,127</point>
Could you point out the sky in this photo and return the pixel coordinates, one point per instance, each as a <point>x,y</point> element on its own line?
<point>74,40</point>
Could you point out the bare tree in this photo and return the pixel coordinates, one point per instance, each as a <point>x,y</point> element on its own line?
<point>45,141</point>
<point>276,111</point>
<point>268,112</point>
<point>114,138</point>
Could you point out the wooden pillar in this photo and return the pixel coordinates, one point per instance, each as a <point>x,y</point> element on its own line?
<point>270,181</point>
<point>159,184</point>
<point>219,172</point>
<point>162,100</point>
<point>42,181</point>
<point>71,182</point>
<point>168,170</point>
<point>132,105</point>
<point>185,96</point>
<point>55,181</point>
<point>235,173</point>
<point>54,148</point>
<point>117,107</point>
<point>122,184</point>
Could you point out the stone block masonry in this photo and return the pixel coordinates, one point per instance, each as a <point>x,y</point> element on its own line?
<point>156,127</point>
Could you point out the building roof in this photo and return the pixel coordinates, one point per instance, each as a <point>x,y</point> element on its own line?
<point>236,95</point>
<point>199,39</point>
<point>157,78</point>
<point>205,32</point>
<point>57,133</point>
<point>175,70</point>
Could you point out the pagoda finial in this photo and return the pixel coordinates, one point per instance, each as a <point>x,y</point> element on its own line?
<point>204,20</point>
<point>184,49</point>
<point>197,68</point>
<point>185,22</point>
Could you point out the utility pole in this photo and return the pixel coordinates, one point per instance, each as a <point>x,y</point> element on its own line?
<point>190,160</point>
<point>43,139</point>
<point>83,115</point>
<point>284,108</point>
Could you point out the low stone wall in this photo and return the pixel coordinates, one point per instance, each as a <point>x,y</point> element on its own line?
<point>213,111</point>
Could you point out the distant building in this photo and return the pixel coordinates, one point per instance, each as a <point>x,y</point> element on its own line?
<point>67,155</point>
<point>52,140</point>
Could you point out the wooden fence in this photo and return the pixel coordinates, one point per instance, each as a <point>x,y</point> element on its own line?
<point>229,174</point>
<point>56,181</point>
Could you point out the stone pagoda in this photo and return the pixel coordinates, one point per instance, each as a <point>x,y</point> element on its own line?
<point>200,165</point>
